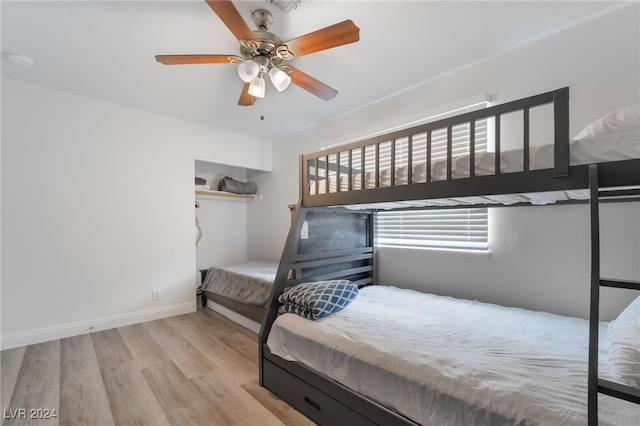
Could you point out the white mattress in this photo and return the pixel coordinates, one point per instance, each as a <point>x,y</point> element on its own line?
<point>613,147</point>
<point>445,361</point>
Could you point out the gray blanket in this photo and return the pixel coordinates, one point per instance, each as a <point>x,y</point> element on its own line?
<point>248,282</point>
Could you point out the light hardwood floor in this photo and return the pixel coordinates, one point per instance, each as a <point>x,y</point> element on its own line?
<point>194,369</point>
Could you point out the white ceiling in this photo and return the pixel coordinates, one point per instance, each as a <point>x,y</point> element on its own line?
<point>105,50</point>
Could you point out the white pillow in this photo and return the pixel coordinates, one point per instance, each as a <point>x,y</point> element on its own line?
<point>621,121</point>
<point>623,336</point>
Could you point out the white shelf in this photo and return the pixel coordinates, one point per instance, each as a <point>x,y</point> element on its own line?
<point>212,193</point>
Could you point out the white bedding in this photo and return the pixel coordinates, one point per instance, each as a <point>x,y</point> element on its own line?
<point>445,361</point>
<point>596,149</point>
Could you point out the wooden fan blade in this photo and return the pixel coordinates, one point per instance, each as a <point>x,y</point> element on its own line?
<point>310,84</point>
<point>197,59</point>
<point>230,16</point>
<point>333,36</point>
<point>245,98</point>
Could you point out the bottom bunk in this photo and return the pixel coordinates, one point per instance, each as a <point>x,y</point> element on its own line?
<point>403,357</point>
<point>459,362</point>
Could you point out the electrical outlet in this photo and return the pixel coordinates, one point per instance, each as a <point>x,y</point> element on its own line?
<point>155,295</point>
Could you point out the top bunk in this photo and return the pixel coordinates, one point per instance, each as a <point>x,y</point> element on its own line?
<point>453,161</point>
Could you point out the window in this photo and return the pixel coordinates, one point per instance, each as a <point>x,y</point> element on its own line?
<point>462,228</point>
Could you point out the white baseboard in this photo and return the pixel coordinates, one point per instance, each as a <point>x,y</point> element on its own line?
<point>234,316</point>
<point>15,340</point>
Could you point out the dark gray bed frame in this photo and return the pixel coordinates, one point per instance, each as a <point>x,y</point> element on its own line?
<point>253,312</point>
<point>340,244</point>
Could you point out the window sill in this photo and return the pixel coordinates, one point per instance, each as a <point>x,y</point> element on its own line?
<point>454,251</point>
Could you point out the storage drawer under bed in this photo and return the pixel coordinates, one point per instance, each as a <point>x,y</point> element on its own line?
<point>313,403</point>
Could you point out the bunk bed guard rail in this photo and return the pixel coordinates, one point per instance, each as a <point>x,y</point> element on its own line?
<point>341,169</point>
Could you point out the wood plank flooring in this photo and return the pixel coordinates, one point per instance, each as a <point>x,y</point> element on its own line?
<point>194,369</point>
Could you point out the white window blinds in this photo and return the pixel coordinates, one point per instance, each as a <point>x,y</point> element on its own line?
<point>441,228</point>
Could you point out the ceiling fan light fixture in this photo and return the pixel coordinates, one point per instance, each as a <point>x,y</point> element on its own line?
<point>279,78</point>
<point>262,52</point>
<point>256,88</point>
<point>248,70</point>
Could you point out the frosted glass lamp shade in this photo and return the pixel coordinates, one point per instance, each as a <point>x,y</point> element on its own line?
<point>248,70</point>
<point>279,78</point>
<point>256,88</point>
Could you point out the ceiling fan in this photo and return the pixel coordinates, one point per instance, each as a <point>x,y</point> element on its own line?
<point>263,53</point>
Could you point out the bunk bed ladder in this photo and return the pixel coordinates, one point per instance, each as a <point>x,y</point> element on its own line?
<point>595,384</point>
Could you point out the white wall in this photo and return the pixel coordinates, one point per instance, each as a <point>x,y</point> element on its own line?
<point>97,210</point>
<point>599,61</point>
<point>224,231</point>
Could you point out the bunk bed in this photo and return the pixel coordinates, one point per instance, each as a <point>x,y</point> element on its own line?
<point>244,288</point>
<point>332,238</point>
